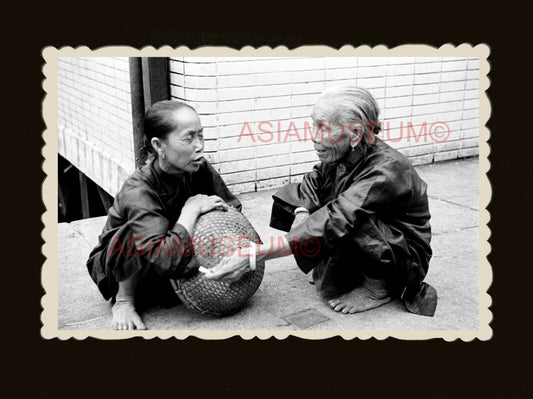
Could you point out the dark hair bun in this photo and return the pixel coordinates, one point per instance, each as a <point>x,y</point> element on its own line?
<point>159,120</point>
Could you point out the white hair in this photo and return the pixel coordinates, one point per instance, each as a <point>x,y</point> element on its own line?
<point>349,106</point>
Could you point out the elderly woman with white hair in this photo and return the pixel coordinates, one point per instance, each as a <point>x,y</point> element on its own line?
<point>360,218</point>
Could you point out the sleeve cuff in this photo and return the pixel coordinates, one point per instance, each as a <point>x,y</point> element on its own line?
<point>182,232</point>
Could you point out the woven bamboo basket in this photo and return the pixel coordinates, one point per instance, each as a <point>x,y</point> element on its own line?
<point>217,235</point>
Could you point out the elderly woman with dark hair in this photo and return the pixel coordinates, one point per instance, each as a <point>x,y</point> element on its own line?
<point>363,209</point>
<point>145,240</point>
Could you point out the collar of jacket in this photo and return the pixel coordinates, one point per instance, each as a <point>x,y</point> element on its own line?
<point>167,183</point>
<point>351,159</point>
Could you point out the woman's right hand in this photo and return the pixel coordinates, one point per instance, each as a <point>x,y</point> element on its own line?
<point>200,204</point>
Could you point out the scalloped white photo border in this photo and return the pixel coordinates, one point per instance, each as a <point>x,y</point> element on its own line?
<point>49,301</point>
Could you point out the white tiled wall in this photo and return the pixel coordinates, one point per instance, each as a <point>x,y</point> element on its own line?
<point>240,98</point>
<point>95,120</point>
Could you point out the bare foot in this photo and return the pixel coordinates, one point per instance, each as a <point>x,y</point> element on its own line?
<point>125,317</point>
<point>370,295</point>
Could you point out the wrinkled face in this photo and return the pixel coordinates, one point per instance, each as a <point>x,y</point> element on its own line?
<point>184,146</point>
<point>332,141</point>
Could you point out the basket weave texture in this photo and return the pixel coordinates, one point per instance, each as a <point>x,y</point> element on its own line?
<point>217,235</point>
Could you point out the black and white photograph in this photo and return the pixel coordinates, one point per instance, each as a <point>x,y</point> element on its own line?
<point>267,192</point>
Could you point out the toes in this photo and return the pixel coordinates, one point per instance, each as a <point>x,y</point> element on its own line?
<point>336,304</point>
<point>141,326</point>
<point>138,323</point>
<point>340,307</point>
<point>134,324</point>
<point>333,302</point>
<point>137,326</point>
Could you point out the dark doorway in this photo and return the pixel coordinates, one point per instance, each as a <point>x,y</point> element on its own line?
<point>78,196</point>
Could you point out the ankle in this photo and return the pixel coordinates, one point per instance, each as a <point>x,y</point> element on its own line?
<point>124,299</point>
<point>376,288</point>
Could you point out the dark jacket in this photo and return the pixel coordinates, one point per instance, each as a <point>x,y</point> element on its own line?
<point>370,211</point>
<point>141,229</point>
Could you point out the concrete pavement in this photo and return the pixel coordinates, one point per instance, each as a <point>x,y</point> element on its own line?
<point>285,300</point>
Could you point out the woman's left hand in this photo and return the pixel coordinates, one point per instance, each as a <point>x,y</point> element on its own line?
<point>232,268</point>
